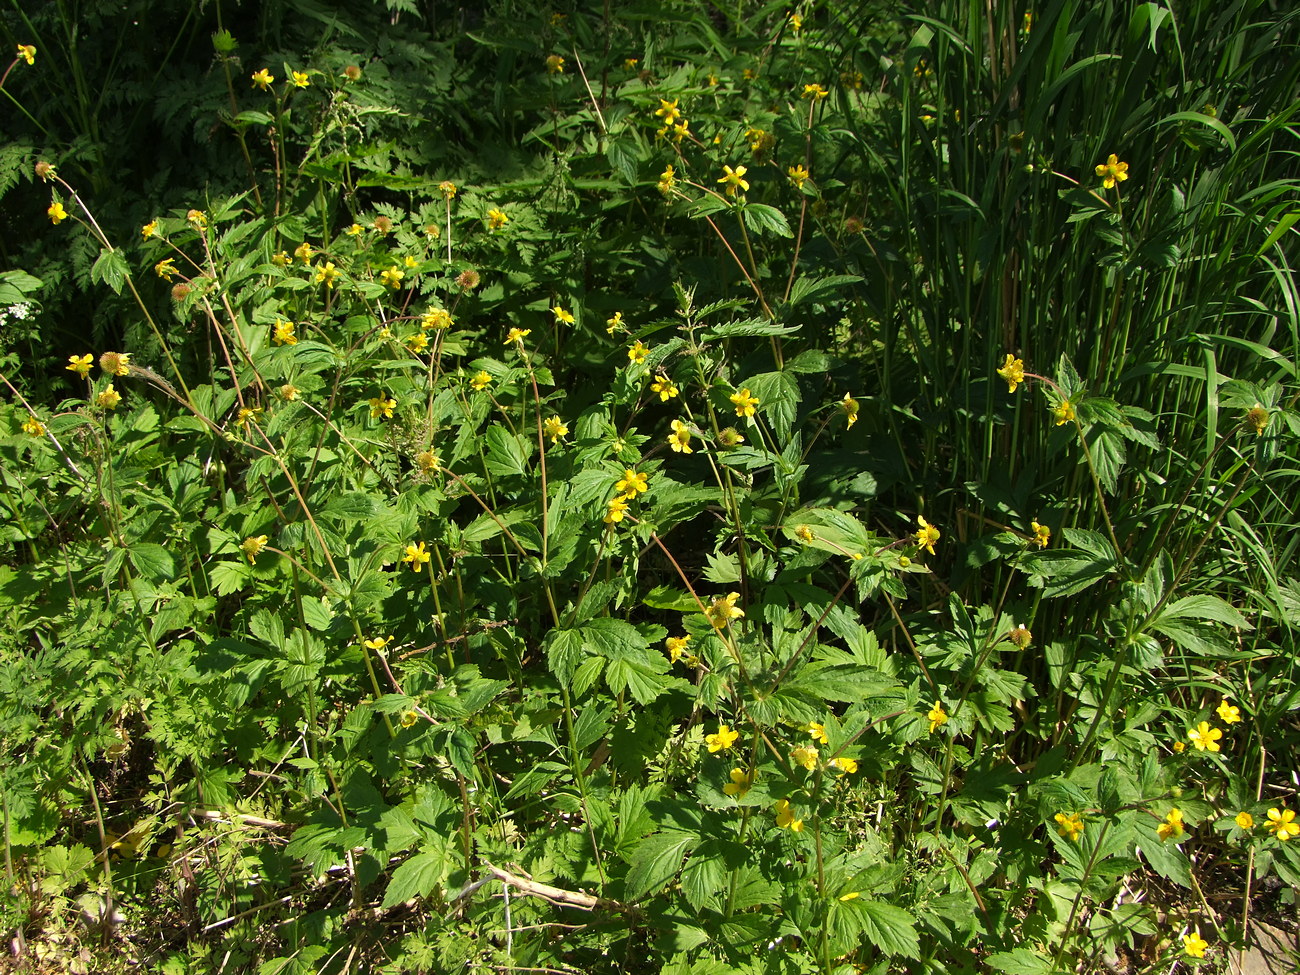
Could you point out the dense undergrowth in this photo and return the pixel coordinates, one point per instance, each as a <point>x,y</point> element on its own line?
<point>649,488</point>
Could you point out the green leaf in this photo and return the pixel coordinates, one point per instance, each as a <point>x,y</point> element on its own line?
<point>111,269</point>
<point>152,561</point>
<point>761,218</point>
<point>417,877</point>
<point>656,861</point>
<point>1019,961</point>
<point>889,928</point>
<point>807,288</point>
<point>506,453</point>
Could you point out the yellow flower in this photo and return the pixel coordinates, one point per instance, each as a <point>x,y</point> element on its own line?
<point>665,387</point>
<point>1064,412</point>
<point>759,141</point>
<point>667,111</point>
<point>436,318</point>
<point>1228,713</point>
<point>197,219</point>
<point>300,79</point>
<point>27,52</point>
<point>427,461</point>
<point>392,277</point>
<point>614,324</point>
<point>1205,738</point>
<point>562,315</point>
<point>936,716</point>
<point>785,817</point>
<point>555,429</point>
<point>667,180</point>
<point>806,535</point>
<point>796,23</point>
<point>723,739</point>
<point>289,392</point>
<point>817,732</point>
<point>555,64</point>
<point>116,363</point>
<point>740,783</point>
<point>1042,534</point>
<point>846,766</point>
<point>376,642</point>
<point>416,556</point>
<point>33,427</point>
<point>1193,944</point>
<point>680,439</point>
<point>165,269</point>
<point>80,364</point>
<point>447,188</point>
<point>1245,820</point>
<point>850,407</point>
<point>480,380</point>
<point>56,213</point>
<point>263,79</point>
<point>629,64</point>
<point>408,719</point>
<point>1172,827</point>
<point>1070,826</point>
<point>722,610</point>
<point>252,547</point>
<point>681,130</point>
<point>409,262</point>
<point>497,219</point>
<point>676,646</point>
<point>926,535</point>
<point>356,230</point>
<point>282,333</point>
<point>247,415</point>
<point>798,176</point>
<point>280,259</point>
<point>806,756</point>
<point>109,398</point>
<point>327,273</point>
<point>1179,747</point>
<point>745,402</point>
<point>637,353</point>
<point>1013,371</point>
<point>733,179</point>
<point>517,335</point>
<point>1113,170</point>
<point>816,92</point>
<point>382,406</point>
<point>149,230</point>
<point>616,509</point>
<point>632,483</point>
<point>1281,823</point>
<point>417,342</point>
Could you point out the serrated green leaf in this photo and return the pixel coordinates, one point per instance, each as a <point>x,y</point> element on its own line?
<point>655,862</point>
<point>417,877</point>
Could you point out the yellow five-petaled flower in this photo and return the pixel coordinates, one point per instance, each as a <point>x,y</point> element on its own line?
<point>680,439</point>
<point>1205,738</point>
<point>80,364</point>
<point>1281,823</point>
<point>722,739</point>
<point>252,546</point>
<point>1042,534</point>
<point>745,402</point>
<point>815,91</point>
<point>1013,371</point>
<point>739,784</point>
<point>27,52</point>
<point>785,817</point>
<point>722,610</point>
<point>1070,826</point>
<point>497,219</point>
<point>517,335</point>
<point>926,535</point>
<point>733,180</point>
<point>1172,827</point>
<point>936,716</point>
<point>382,406</point>
<point>416,556</point>
<point>56,213</point>
<point>327,274</point>
<point>555,429</point>
<point>632,483</point>
<point>1113,171</point>
<point>1193,944</point>
<point>263,79</point>
<point>1228,712</point>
